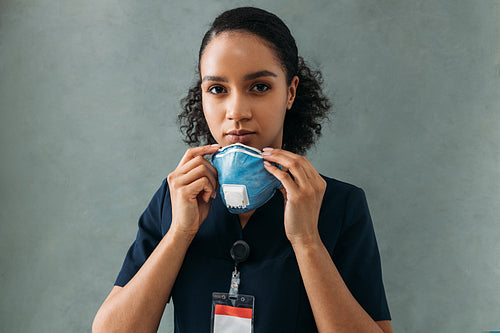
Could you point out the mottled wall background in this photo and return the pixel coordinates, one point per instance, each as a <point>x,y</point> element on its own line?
<point>89,92</point>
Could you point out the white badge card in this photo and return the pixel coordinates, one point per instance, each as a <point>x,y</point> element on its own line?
<point>232,313</point>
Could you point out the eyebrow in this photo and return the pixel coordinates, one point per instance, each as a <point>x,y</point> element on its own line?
<point>247,77</point>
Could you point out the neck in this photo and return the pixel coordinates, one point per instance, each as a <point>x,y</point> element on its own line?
<point>244,217</point>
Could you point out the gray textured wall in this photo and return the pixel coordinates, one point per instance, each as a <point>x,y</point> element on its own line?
<point>89,91</point>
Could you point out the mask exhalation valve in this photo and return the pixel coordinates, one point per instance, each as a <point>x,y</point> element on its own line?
<point>236,195</point>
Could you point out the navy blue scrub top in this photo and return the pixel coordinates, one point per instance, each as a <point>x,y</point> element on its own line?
<point>271,273</point>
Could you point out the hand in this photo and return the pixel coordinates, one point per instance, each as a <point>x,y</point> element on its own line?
<point>303,192</point>
<point>192,185</point>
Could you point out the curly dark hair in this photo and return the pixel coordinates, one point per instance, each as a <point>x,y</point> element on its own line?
<point>302,124</point>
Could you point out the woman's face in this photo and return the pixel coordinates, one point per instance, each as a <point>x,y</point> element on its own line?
<point>244,91</point>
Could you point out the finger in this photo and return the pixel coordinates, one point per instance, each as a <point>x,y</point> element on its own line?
<point>198,172</point>
<point>288,155</point>
<point>194,169</point>
<point>201,187</point>
<point>297,165</point>
<point>283,191</point>
<point>195,162</point>
<point>198,151</point>
<point>309,170</point>
<point>302,170</point>
<point>282,176</point>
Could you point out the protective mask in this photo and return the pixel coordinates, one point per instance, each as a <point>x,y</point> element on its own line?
<point>245,184</point>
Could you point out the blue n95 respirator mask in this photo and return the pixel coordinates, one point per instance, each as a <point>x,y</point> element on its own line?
<point>244,183</point>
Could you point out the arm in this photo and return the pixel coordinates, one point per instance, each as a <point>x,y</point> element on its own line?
<point>333,306</point>
<point>139,305</point>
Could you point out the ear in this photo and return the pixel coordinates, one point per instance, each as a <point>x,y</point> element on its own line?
<point>292,91</point>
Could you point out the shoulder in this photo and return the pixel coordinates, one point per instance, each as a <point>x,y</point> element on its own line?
<point>162,195</point>
<point>340,190</point>
<point>344,200</point>
<point>158,213</point>
<point>338,184</point>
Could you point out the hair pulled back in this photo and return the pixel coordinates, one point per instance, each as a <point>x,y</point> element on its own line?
<point>302,124</point>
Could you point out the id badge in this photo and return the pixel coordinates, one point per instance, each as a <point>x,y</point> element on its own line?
<point>232,313</point>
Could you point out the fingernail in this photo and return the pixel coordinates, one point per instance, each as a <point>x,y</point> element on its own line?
<point>266,153</point>
<point>267,149</point>
<point>266,163</point>
<point>215,145</point>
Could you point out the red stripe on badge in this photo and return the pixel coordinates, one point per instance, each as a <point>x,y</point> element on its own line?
<point>233,311</point>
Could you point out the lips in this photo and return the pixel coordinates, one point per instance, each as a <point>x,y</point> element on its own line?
<point>240,135</point>
<point>239,132</point>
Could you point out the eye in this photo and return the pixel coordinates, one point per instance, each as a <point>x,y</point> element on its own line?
<point>216,90</point>
<point>260,87</point>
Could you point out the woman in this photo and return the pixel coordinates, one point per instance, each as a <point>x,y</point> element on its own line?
<point>314,263</point>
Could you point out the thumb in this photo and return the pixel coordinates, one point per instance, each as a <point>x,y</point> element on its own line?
<point>283,191</point>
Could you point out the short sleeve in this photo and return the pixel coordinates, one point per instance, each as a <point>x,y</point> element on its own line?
<point>148,237</point>
<point>357,257</point>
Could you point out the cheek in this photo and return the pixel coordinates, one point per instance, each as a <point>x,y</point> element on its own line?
<point>212,118</point>
<point>208,111</point>
<point>280,107</point>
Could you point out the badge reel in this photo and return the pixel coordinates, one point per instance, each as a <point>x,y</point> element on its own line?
<point>233,312</point>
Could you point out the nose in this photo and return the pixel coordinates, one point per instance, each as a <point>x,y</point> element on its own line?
<point>238,107</point>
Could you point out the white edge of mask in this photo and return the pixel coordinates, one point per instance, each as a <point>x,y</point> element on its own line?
<point>256,154</point>
<point>238,150</point>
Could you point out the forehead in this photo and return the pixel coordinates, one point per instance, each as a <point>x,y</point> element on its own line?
<point>240,48</point>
